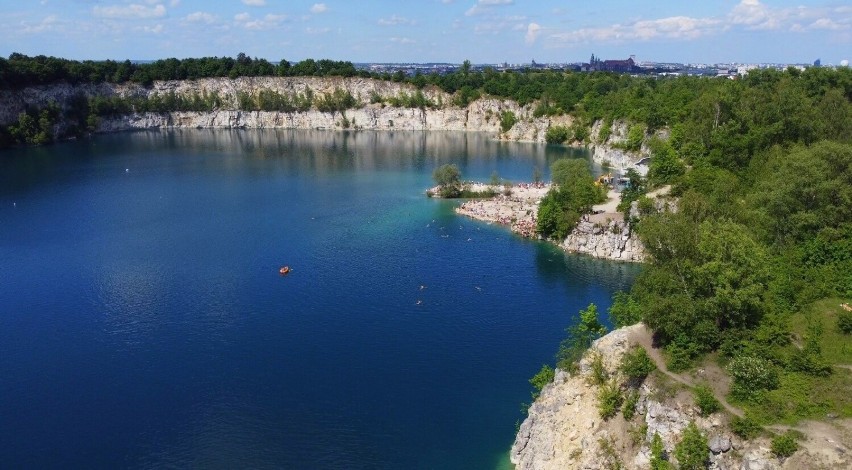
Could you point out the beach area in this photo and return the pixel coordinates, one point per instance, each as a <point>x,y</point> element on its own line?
<point>517,210</point>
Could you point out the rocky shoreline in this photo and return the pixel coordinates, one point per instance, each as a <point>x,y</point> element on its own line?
<point>602,235</point>
<point>564,429</point>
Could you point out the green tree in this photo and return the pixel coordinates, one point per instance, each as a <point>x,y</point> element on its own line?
<point>507,120</point>
<point>543,377</point>
<point>448,177</point>
<point>557,134</point>
<point>580,336</point>
<point>659,458</point>
<point>692,452</point>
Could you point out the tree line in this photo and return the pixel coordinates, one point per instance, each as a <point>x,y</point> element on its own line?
<point>19,71</point>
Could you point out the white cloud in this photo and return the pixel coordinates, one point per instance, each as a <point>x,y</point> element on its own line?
<point>132,11</point>
<point>754,15</point>
<point>747,14</point>
<point>825,23</point>
<point>269,21</point>
<point>319,8</point>
<point>533,30</point>
<point>675,27</point>
<point>255,3</point>
<point>395,20</point>
<point>200,17</point>
<point>49,23</point>
<point>481,6</point>
<point>402,40</point>
<point>317,30</point>
<point>156,29</point>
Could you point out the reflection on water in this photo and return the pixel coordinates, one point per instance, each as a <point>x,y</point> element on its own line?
<point>144,322</point>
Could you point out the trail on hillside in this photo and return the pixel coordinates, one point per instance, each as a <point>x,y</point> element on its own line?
<point>644,338</point>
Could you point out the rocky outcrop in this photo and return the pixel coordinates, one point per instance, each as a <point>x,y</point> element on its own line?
<point>564,429</point>
<point>371,112</point>
<point>609,238</point>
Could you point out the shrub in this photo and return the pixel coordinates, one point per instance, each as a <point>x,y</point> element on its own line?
<point>579,131</point>
<point>752,376</point>
<point>599,374</point>
<point>609,400</point>
<point>636,365</point>
<point>659,457</point>
<point>624,310</point>
<point>541,378</point>
<point>507,120</point>
<point>448,178</point>
<point>692,451</point>
<point>745,427</point>
<point>844,322</point>
<point>629,408</point>
<point>580,336</point>
<point>784,445</point>
<point>605,131</point>
<point>635,136</point>
<point>707,403</point>
<point>557,134</point>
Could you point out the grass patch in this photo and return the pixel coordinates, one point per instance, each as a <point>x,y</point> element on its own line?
<point>806,396</point>
<point>836,347</point>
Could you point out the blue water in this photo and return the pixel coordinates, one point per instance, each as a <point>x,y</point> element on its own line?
<point>143,322</point>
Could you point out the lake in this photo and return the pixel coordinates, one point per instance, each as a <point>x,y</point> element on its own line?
<point>144,324</point>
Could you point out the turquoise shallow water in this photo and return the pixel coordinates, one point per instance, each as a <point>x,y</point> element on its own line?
<point>143,322</point>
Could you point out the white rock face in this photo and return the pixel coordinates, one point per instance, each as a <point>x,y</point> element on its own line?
<point>482,115</point>
<point>563,429</point>
<point>611,239</point>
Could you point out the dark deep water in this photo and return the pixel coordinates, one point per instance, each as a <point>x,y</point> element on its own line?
<point>143,322</point>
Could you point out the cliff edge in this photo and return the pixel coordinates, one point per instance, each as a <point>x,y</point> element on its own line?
<point>564,430</point>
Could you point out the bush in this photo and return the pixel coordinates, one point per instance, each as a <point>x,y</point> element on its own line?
<point>557,134</point>
<point>605,131</point>
<point>636,365</point>
<point>541,378</point>
<point>629,408</point>
<point>752,376</point>
<point>784,445</point>
<point>599,375</point>
<point>659,458</point>
<point>580,336</point>
<point>745,427</point>
<point>844,322</point>
<point>692,452</point>
<point>706,402</point>
<point>624,310</point>
<point>448,177</point>
<point>507,120</point>
<point>609,400</point>
<point>635,136</point>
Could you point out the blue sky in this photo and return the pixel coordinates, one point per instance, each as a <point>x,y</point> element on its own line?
<point>484,31</point>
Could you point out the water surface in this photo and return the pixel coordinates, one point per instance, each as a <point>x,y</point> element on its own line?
<point>143,322</point>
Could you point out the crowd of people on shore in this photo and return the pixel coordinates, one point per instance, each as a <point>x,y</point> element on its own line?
<point>517,210</point>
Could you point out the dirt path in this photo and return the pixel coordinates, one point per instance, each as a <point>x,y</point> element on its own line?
<point>644,338</point>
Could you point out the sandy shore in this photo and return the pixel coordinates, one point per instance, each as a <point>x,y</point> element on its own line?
<point>517,210</point>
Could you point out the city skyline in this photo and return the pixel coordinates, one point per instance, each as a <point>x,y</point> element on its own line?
<point>483,31</point>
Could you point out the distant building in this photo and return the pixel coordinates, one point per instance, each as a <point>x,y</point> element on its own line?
<point>817,63</point>
<point>621,66</point>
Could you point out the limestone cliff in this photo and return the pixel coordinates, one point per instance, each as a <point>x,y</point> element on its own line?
<point>564,430</point>
<point>608,238</point>
<point>371,113</point>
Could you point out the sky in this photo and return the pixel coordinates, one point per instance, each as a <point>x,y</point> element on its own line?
<point>482,31</point>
